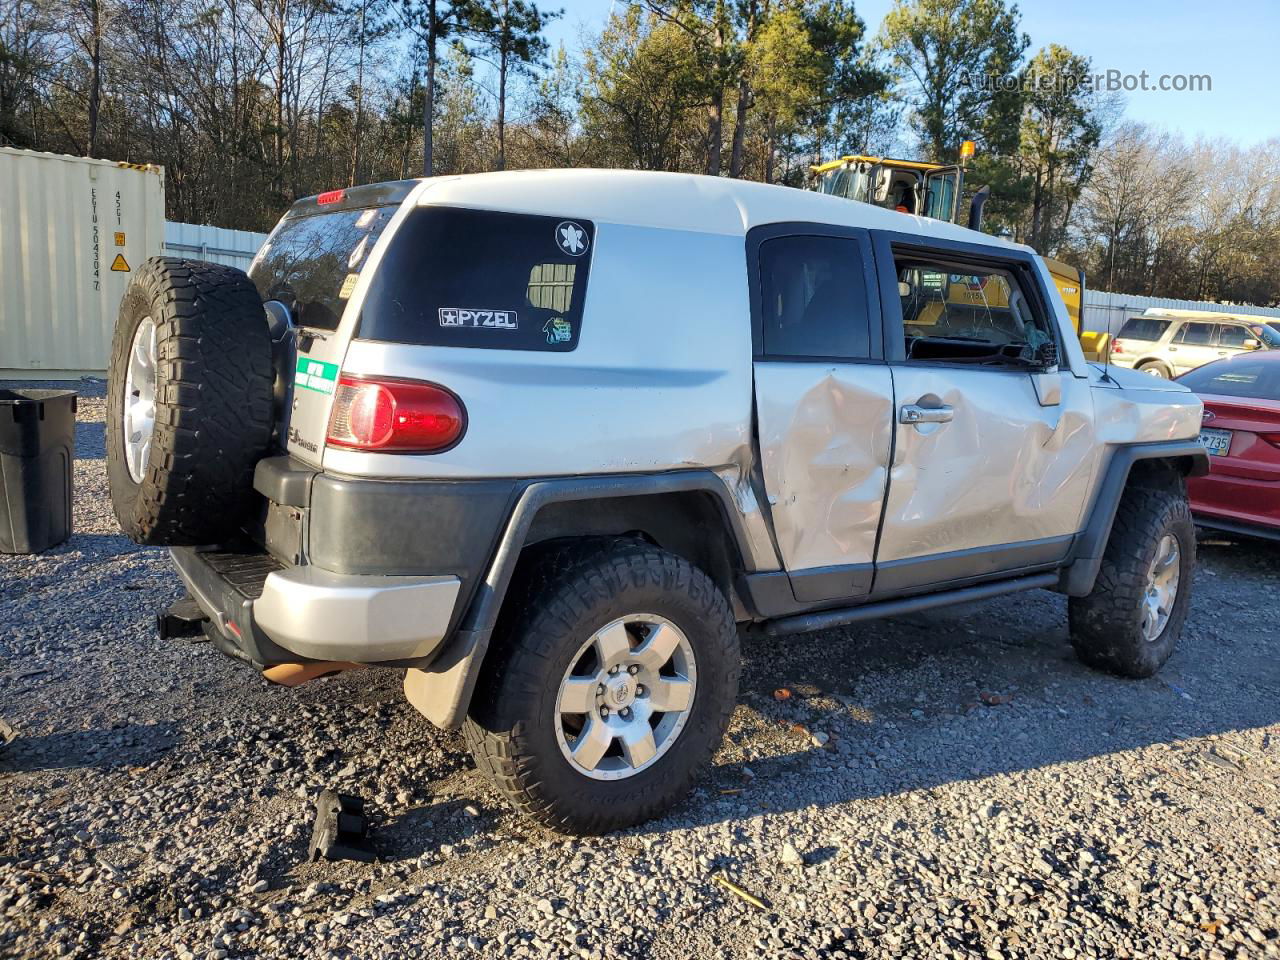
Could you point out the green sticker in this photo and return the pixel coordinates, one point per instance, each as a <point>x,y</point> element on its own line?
<point>316,375</point>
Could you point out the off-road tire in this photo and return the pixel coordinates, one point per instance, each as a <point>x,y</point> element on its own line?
<point>213,419</point>
<point>1106,625</point>
<point>562,595</point>
<point>1163,371</point>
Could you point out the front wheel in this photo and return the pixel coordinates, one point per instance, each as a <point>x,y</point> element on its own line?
<point>1131,621</point>
<point>614,672</point>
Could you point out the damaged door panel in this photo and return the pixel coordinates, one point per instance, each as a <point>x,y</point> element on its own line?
<point>824,403</point>
<point>825,432</point>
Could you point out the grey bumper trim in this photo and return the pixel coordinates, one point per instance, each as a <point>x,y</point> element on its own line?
<point>365,619</point>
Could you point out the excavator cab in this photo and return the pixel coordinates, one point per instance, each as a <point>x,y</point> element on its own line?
<point>935,190</point>
<point>908,186</point>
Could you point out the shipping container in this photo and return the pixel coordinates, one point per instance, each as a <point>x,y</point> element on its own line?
<point>72,231</point>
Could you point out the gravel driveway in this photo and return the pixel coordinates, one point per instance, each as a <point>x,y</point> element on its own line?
<point>945,785</point>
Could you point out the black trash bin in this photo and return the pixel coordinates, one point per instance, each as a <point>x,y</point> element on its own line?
<point>37,450</point>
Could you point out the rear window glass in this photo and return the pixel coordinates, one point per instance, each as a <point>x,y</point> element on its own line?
<point>311,263</point>
<point>1143,328</point>
<point>476,278</point>
<point>1254,377</point>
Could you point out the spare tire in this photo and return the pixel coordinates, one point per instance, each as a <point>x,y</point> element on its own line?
<point>189,402</point>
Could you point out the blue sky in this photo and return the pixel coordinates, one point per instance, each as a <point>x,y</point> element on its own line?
<point>1237,44</point>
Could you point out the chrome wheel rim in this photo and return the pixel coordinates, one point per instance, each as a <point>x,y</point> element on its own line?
<point>625,697</point>
<point>1162,587</point>
<point>140,399</point>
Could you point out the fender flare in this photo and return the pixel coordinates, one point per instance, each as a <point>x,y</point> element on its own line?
<point>442,691</point>
<point>1077,578</point>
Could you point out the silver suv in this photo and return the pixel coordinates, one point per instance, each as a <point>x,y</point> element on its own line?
<point>1167,345</point>
<point>547,442</point>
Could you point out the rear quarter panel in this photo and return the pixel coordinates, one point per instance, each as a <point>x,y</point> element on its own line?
<point>660,379</point>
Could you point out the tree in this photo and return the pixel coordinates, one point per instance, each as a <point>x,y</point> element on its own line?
<point>552,136</point>
<point>29,47</point>
<point>434,21</point>
<point>371,26</point>
<point>717,54</point>
<point>462,133</point>
<point>1059,136</point>
<point>784,76</point>
<point>511,32</point>
<point>958,61</point>
<point>642,93</point>
<point>852,80</point>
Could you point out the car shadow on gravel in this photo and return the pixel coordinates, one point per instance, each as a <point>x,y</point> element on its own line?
<point>127,746</point>
<point>984,690</point>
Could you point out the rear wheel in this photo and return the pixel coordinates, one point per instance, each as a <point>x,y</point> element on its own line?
<point>614,672</point>
<point>1155,368</point>
<point>1131,621</point>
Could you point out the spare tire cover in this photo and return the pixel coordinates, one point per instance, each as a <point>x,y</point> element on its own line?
<point>189,402</point>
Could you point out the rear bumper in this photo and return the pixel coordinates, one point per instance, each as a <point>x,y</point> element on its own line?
<point>364,619</point>
<point>267,613</point>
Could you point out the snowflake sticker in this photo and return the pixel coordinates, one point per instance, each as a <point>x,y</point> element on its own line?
<point>571,238</point>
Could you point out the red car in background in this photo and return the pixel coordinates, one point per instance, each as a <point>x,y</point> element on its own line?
<point>1241,431</point>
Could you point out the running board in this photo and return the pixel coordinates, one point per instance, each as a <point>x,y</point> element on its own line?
<point>823,619</point>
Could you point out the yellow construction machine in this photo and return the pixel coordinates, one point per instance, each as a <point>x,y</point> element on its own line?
<point>935,190</point>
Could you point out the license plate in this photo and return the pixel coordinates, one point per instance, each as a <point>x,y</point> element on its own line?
<point>1217,442</point>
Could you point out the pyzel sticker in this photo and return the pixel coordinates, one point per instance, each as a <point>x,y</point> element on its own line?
<point>492,319</point>
<point>571,238</point>
<point>558,330</point>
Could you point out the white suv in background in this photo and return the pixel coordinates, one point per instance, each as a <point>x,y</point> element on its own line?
<point>1168,346</point>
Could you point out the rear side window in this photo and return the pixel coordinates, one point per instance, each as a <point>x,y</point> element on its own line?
<point>1143,328</point>
<point>1197,334</point>
<point>813,298</point>
<point>475,278</point>
<point>311,263</point>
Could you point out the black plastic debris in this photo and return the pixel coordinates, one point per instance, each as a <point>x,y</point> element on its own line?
<point>341,829</point>
<point>181,619</point>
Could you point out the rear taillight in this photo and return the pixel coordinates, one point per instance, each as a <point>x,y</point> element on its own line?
<point>402,416</point>
<point>1117,346</point>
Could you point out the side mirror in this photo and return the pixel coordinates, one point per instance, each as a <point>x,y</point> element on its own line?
<point>1252,344</point>
<point>1047,356</point>
<point>904,288</point>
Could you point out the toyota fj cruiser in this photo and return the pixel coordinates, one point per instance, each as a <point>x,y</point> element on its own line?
<point>545,440</point>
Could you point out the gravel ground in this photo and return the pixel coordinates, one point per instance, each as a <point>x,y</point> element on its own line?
<point>944,785</point>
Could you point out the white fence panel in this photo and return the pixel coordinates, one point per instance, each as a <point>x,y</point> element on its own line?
<point>1107,312</point>
<point>236,248</point>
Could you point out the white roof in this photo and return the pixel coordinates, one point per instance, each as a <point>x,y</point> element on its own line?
<point>676,201</point>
